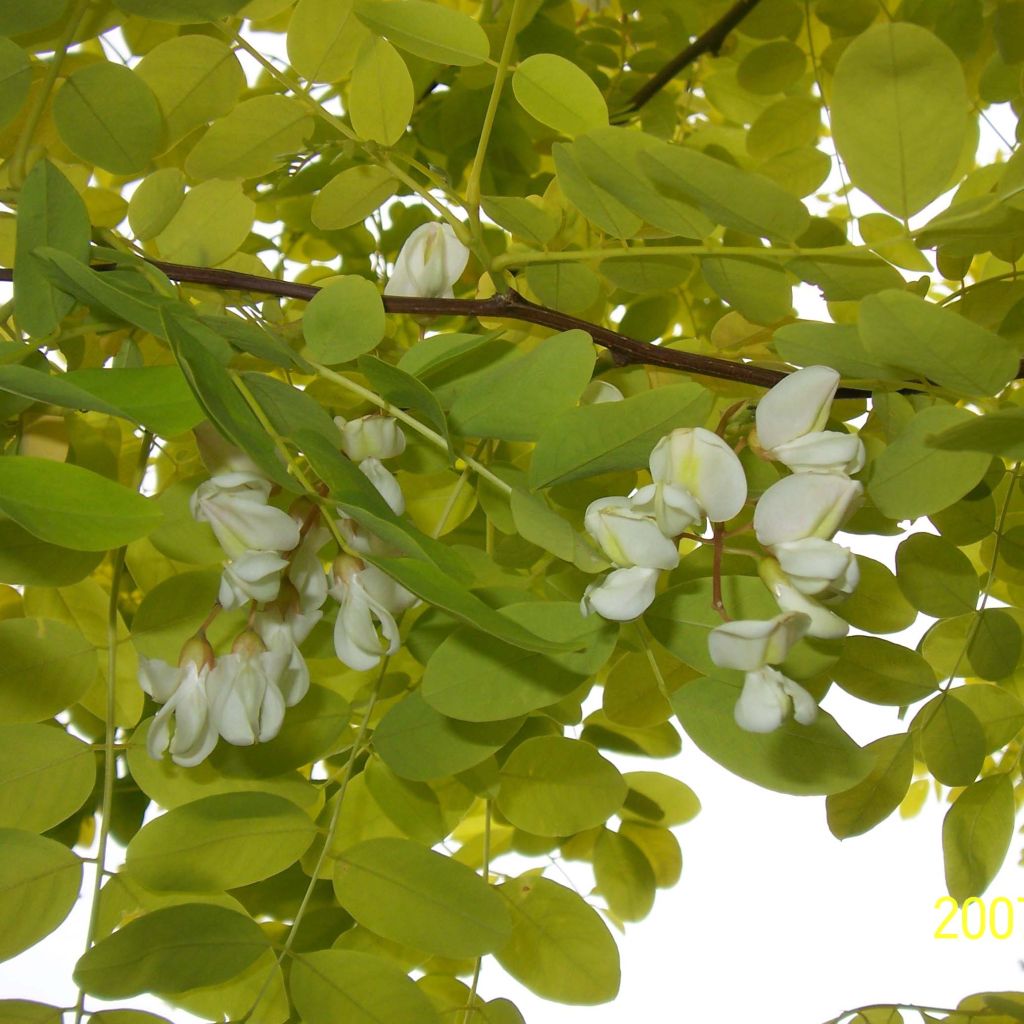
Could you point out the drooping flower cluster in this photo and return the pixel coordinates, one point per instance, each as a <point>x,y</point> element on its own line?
<point>698,477</point>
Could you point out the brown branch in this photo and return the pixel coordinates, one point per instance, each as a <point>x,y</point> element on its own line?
<point>708,42</point>
<point>508,306</point>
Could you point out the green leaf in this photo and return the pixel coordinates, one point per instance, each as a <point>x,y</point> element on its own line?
<point>51,214</point>
<point>595,439</point>
<point>257,136</point>
<point>107,115</point>
<point>558,94</point>
<point>351,196</point>
<point>39,881</point>
<point>324,37</point>
<point>758,289</point>
<point>848,276</point>
<point>598,205</point>
<point>181,12</point>
<point>158,397</point>
<point>157,199</point>
<point>656,799</point>
<point>195,78</point>
<point>995,647</point>
<point>771,68</point>
<point>171,950</point>
<point>477,678</point>
<point>343,320</point>
<point>881,672</point>
<point>1000,713</point>
<point>568,287</point>
<point>413,806</point>
<point>858,810</point>
<point>211,223</point>
<point>380,94</point>
<point>911,479</point>
<point>998,433</point>
<point>60,663</point>
<point>555,786</point>
<point>899,115</point>
<point>409,894</point>
<point>23,1011</point>
<point>52,389</point>
<point>878,604</point>
<point>952,740</point>
<point>15,79</point>
<point>560,948</point>
<point>417,742</point>
<point>333,985</point>
<point>808,343</point>
<point>72,506</point>
<point>45,776</point>
<point>623,876</point>
<point>926,339</point>
<point>404,390</point>
<point>936,576</point>
<point>29,561</point>
<point>818,758</point>
<point>427,30</point>
<point>16,17</point>
<point>220,842</point>
<point>521,217</point>
<point>728,195</point>
<point>518,398</point>
<point>289,409</point>
<point>610,157</point>
<point>976,834</point>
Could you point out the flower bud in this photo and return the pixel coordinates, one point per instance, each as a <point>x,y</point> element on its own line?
<point>814,565</point>
<point>766,699</point>
<point>622,595</point>
<point>370,437</point>
<point>805,505</point>
<point>629,537</point>
<point>799,404</point>
<point>429,263</point>
<point>748,644</point>
<point>703,464</point>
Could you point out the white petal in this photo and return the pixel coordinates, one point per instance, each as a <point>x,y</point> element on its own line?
<point>805,708</point>
<point>629,537</point>
<point>826,451</point>
<point>429,263</point>
<point>814,565</point>
<point>371,437</point>
<point>748,644</point>
<point>824,624</point>
<point>762,705</point>
<point>622,595</point>
<point>799,404</point>
<point>673,508</point>
<point>158,679</point>
<point>237,512</point>
<point>385,482</point>
<point>306,572</point>
<point>805,505</point>
<point>598,392</point>
<point>252,576</point>
<point>704,465</point>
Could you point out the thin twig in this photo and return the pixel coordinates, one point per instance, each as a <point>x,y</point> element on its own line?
<point>708,42</point>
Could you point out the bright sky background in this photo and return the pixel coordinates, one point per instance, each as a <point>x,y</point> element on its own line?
<point>773,920</point>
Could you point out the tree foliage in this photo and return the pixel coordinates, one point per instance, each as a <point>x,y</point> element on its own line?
<point>533,254</point>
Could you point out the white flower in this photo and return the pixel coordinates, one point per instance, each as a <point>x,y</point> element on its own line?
<point>622,595</point>
<point>799,404</point>
<point>814,565</point>
<point>703,464</point>
<point>385,482</point>
<point>597,392</point>
<point>749,644</point>
<point>365,594</point>
<point>252,576</point>
<point>766,699</point>
<point>825,451</point>
<point>824,623</point>
<point>235,506</point>
<point>673,508</point>
<point>629,537</point>
<point>282,634</point>
<point>805,505</point>
<point>182,691</point>
<point>429,263</point>
<point>245,700</point>
<point>306,572</point>
<point>370,437</point>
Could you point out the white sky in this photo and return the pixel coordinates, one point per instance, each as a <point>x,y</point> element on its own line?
<point>773,920</point>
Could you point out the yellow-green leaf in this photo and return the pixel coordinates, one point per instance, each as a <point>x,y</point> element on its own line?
<point>558,94</point>
<point>976,834</point>
<point>380,94</point>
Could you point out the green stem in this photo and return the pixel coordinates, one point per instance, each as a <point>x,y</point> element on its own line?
<point>332,828</point>
<point>485,871</point>
<point>110,746</point>
<point>473,183</point>
<point>19,159</point>
<point>522,259</point>
<point>400,414</point>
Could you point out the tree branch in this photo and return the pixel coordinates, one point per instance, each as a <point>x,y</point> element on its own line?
<point>708,42</point>
<point>507,306</point>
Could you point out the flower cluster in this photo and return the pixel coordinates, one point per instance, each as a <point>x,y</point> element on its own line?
<point>274,567</point>
<point>697,476</point>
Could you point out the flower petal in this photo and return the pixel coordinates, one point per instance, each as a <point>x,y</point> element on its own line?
<point>622,595</point>
<point>805,505</point>
<point>799,404</point>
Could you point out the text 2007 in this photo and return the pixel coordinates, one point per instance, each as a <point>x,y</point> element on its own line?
<point>975,918</point>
